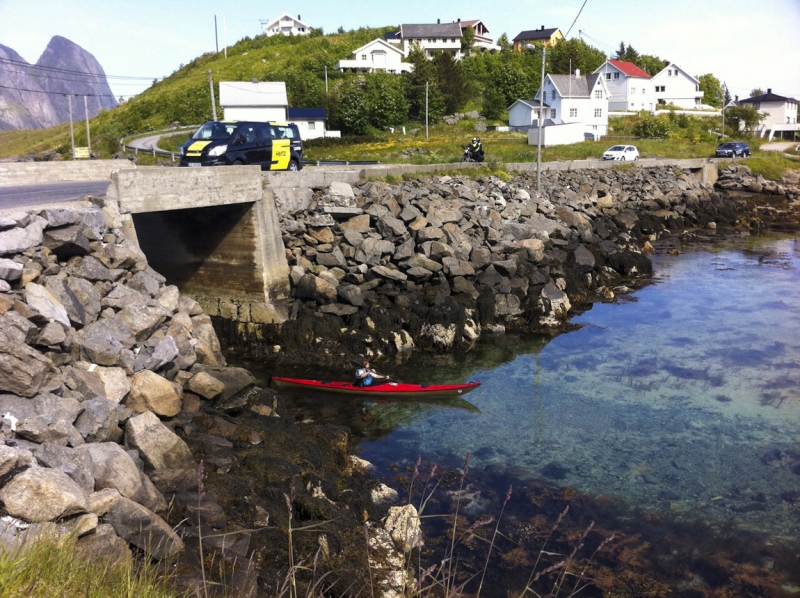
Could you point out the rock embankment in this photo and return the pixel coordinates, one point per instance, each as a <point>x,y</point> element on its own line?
<point>113,389</point>
<point>438,261</point>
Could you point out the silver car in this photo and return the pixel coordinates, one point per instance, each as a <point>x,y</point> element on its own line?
<point>622,153</point>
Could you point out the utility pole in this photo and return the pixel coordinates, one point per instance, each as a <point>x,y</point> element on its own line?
<point>426,111</point>
<point>216,38</point>
<point>71,130</point>
<point>86,114</point>
<point>225,33</point>
<point>541,128</point>
<point>213,100</point>
<point>722,136</point>
<point>326,79</point>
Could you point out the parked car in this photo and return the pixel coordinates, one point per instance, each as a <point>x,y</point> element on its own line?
<point>273,146</point>
<point>621,153</point>
<point>732,149</point>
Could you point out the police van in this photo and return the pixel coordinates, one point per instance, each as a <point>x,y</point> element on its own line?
<point>273,146</point>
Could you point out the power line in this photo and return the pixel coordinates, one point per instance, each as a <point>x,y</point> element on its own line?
<point>23,64</point>
<point>61,93</point>
<point>41,76</point>
<point>576,18</point>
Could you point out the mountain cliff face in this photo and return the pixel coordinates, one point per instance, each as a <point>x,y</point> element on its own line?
<point>31,96</point>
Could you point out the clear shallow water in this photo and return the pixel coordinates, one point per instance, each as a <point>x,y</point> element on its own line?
<point>684,400</point>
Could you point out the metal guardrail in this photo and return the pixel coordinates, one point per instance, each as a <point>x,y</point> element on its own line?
<point>155,152</point>
<point>340,163</point>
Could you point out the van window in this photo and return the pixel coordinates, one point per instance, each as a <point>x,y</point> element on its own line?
<point>281,132</point>
<point>265,131</point>
<point>214,131</point>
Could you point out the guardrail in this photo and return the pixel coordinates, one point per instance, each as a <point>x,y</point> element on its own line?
<point>154,151</point>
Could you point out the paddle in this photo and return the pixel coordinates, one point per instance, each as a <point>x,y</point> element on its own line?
<point>383,378</point>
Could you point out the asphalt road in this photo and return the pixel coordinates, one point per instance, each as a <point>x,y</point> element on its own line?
<point>16,197</point>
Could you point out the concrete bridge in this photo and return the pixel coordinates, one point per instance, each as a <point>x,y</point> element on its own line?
<point>215,232</point>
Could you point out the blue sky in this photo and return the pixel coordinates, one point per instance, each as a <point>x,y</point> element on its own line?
<point>744,43</point>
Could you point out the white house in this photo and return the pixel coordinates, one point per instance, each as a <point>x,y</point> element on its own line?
<point>444,37</point>
<point>781,114</point>
<point>568,99</point>
<point>310,122</point>
<point>285,25</point>
<point>673,85</point>
<point>259,101</point>
<point>377,55</point>
<point>630,88</point>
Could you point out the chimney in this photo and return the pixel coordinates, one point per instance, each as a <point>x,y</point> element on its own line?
<point>298,18</point>
<point>459,19</point>
<point>577,73</point>
<point>438,21</point>
<point>769,90</point>
<point>736,99</point>
<point>542,27</point>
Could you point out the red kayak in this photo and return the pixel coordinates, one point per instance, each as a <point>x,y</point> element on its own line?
<point>388,389</point>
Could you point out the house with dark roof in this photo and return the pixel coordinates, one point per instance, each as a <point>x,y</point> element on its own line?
<point>546,37</point>
<point>630,88</point>
<point>310,122</point>
<point>673,85</point>
<point>285,24</point>
<point>576,100</point>
<point>432,38</point>
<point>781,114</point>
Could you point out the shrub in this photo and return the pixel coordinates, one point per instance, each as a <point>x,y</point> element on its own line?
<point>652,127</point>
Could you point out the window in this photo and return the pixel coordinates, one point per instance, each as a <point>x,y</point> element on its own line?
<point>598,93</point>
<point>608,76</point>
<point>573,112</point>
<point>598,112</point>
<point>660,88</point>
<point>363,57</point>
<point>553,95</point>
<point>312,126</point>
<point>669,72</point>
<point>633,91</point>
<point>553,113</point>
<point>616,75</point>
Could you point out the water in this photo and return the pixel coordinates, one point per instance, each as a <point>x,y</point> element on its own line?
<point>683,400</point>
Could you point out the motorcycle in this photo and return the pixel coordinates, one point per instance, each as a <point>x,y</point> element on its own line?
<point>468,157</point>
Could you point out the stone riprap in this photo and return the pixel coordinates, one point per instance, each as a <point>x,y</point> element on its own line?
<point>122,428</point>
<point>437,261</point>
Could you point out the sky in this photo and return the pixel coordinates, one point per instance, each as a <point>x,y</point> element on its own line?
<point>743,43</point>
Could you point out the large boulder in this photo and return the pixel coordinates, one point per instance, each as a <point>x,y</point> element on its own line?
<point>19,239</point>
<point>159,446</point>
<point>99,421</point>
<point>76,464</point>
<point>205,385</point>
<point>151,392</point>
<point>104,342</point>
<point>39,494</point>
<point>315,288</point>
<point>145,530</point>
<point>23,371</point>
<point>47,304</point>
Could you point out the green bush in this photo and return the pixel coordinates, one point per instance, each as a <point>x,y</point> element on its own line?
<point>652,127</point>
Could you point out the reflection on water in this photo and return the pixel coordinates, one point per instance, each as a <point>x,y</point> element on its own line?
<point>685,400</point>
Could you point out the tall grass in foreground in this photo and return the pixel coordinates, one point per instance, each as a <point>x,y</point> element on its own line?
<point>50,568</point>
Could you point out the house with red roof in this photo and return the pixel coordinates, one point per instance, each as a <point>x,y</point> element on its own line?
<point>629,87</point>
<point>482,39</point>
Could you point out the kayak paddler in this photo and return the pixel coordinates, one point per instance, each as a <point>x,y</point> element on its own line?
<point>366,376</point>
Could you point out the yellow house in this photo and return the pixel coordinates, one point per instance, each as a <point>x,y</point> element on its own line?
<point>548,37</point>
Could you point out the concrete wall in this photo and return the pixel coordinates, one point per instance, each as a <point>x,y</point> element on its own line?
<point>38,173</point>
<point>156,188</point>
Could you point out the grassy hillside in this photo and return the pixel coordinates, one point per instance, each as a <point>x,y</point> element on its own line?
<point>184,95</point>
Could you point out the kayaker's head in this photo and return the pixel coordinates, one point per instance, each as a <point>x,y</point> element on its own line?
<point>366,363</point>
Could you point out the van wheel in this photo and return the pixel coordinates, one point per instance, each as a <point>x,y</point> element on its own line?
<point>293,166</point>
<point>238,163</point>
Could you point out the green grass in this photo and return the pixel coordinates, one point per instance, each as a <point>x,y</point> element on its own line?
<point>34,141</point>
<point>771,165</point>
<point>47,568</point>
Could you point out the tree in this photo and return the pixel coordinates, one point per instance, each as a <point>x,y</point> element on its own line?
<point>352,109</point>
<point>503,42</point>
<point>424,72</point>
<point>494,104</point>
<point>712,90</point>
<point>573,54</point>
<point>452,82</point>
<point>726,95</point>
<point>744,118</point>
<point>651,64</point>
<point>385,100</point>
<point>756,92</point>
<point>467,40</point>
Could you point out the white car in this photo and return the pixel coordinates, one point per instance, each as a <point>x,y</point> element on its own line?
<point>621,153</point>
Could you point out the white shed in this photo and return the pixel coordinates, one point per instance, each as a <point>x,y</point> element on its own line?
<point>261,101</point>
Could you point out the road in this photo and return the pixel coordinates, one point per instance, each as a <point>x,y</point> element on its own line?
<point>145,143</point>
<point>17,197</point>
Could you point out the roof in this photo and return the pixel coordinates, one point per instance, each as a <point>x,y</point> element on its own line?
<point>534,103</point>
<point>472,23</point>
<point>440,30</point>
<point>535,34</point>
<point>768,97</point>
<point>288,16</point>
<point>380,42</point>
<point>245,93</point>
<point>629,69</point>
<point>672,65</point>
<point>571,86</point>
<point>307,114</point>
<point>390,35</point>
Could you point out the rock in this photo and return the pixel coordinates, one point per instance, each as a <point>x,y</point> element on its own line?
<point>420,261</point>
<point>112,467</point>
<point>99,420</point>
<point>10,270</point>
<point>205,385</point>
<point>403,525</point>
<point>584,259</point>
<point>43,428</point>
<point>52,334</point>
<point>315,288</point>
<point>534,249</point>
<point>142,320</point>
<point>76,464</point>
<point>91,269</point>
<point>234,379</point>
<point>100,502</point>
<point>147,282</point>
<point>385,272</point>
<point>160,447</point>
<point>175,480</point>
<point>351,294</point>
<point>13,457</point>
<point>39,494</point>
<point>23,371</point>
<point>340,190</point>
<point>104,342</point>
<point>169,298</point>
<point>145,530</point>
<point>18,240</point>
<point>121,296</point>
<point>338,309</point>
<point>115,382</point>
<point>151,392</point>
<point>104,547</point>
<point>383,494</point>
<point>47,304</point>
<point>66,242</point>
<point>356,224</point>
